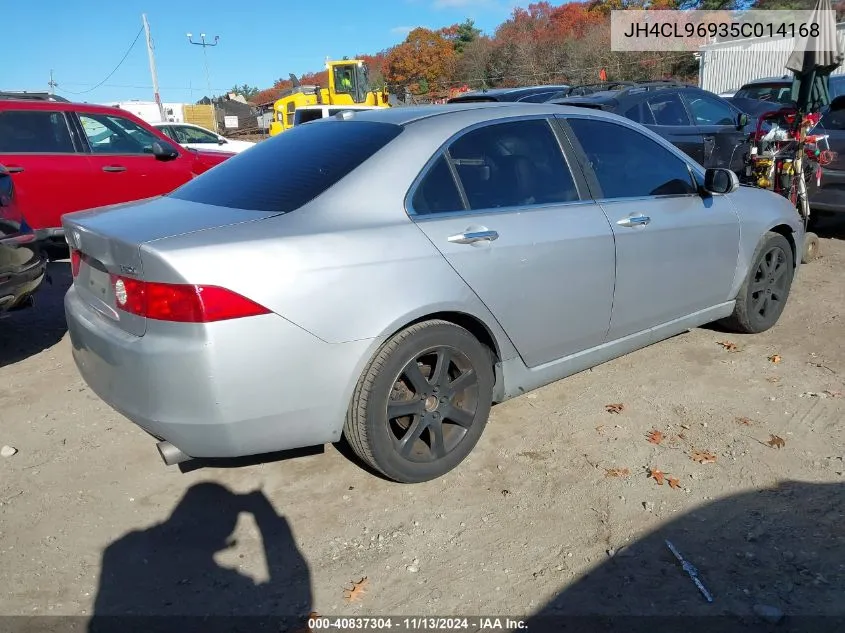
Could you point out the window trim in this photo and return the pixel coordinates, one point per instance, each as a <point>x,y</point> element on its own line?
<point>443,150</point>
<point>70,132</point>
<point>684,105</point>
<point>592,178</point>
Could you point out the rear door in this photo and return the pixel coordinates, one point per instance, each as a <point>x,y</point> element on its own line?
<point>503,207</point>
<point>665,114</point>
<point>122,160</point>
<point>51,176</point>
<point>724,141</point>
<point>676,251</point>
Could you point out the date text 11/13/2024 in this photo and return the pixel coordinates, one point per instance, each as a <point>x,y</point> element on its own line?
<point>404,623</point>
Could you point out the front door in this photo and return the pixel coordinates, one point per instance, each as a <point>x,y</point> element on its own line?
<point>725,142</point>
<point>125,168</point>
<point>676,251</point>
<point>503,208</point>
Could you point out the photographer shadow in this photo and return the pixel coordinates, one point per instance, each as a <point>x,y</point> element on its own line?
<point>165,578</point>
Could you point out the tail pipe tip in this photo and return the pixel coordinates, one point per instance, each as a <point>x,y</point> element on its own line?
<point>170,454</point>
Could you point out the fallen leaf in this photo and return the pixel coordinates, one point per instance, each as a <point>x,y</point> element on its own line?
<point>356,592</point>
<point>775,358</point>
<point>833,394</point>
<point>773,378</point>
<point>655,436</point>
<point>703,457</point>
<point>657,475</point>
<point>673,482</point>
<point>600,429</point>
<point>685,426</point>
<point>745,421</point>
<point>728,345</point>
<point>776,442</point>
<point>616,472</point>
<point>614,408</point>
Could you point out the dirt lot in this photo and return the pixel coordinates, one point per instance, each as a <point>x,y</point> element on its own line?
<point>90,519</point>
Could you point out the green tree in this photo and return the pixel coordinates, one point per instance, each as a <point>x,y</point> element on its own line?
<point>246,90</point>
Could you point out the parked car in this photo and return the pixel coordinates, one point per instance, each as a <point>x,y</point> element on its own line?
<point>779,89</point>
<point>529,94</point>
<point>195,137</point>
<point>67,157</point>
<point>708,128</point>
<point>507,246</point>
<point>22,264</point>
<point>305,114</point>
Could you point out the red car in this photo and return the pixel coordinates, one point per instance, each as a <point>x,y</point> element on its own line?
<point>67,157</point>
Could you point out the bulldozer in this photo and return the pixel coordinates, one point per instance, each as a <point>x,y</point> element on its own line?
<point>348,85</point>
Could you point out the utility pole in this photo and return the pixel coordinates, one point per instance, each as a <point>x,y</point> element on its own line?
<point>153,67</point>
<point>52,83</point>
<point>205,45</point>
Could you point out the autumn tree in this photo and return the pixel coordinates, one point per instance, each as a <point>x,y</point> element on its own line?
<point>425,60</point>
<point>461,35</point>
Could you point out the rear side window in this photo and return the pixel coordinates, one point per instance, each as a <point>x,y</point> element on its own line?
<point>628,164</point>
<point>777,93</point>
<point>512,164</point>
<point>285,172</point>
<point>33,131</point>
<point>437,193</point>
<point>640,113</point>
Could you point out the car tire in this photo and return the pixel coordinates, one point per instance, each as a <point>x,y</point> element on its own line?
<point>811,248</point>
<point>422,403</point>
<point>762,296</point>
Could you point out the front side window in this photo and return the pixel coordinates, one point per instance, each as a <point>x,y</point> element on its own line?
<point>708,111</point>
<point>512,164</point>
<point>668,109</point>
<point>628,164</point>
<point>34,131</point>
<point>344,80</point>
<point>109,134</point>
<point>188,134</point>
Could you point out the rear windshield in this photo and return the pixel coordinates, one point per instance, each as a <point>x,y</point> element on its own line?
<point>285,172</point>
<point>304,116</point>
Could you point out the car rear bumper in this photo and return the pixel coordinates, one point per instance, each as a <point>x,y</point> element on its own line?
<point>19,283</point>
<point>226,389</point>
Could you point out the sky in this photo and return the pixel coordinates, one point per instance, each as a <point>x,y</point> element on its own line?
<point>82,41</point>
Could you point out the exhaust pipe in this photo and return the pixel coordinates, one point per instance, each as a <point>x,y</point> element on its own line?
<point>170,454</point>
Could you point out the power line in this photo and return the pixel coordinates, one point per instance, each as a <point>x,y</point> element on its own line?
<point>135,41</point>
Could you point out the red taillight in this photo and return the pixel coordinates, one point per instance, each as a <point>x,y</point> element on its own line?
<point>75,260</point>
<point>181,302</point>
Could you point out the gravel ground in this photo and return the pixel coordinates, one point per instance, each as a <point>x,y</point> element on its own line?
<point>534,522</point>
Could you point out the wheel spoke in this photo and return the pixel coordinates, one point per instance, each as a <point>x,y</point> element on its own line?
<point>765,307</point>
<point>412,435</point>
<point>758,286</point>
<point>440,374</point>
<point>780,271</point>
<point>462,382</point>
<point>438,446</point>
<point>758,303</point>
<point>459,416</point>
<point>401,408</point>
<point>413,373</point>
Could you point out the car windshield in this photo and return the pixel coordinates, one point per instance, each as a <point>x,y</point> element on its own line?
<point>283,173</point>
<point>777,92</point>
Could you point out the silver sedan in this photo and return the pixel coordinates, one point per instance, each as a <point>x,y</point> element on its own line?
<point>387,276</point>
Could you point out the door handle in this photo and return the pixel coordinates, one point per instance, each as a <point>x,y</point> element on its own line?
<point>14,170</point>
<point>111,168</point>
<point>474,236</point>
<point>634,220</point>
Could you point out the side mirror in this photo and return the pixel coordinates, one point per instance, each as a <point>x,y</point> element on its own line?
<point>222,141</point>
<point>163,151</point>
<point>720,180</point>
<point>741,120</point>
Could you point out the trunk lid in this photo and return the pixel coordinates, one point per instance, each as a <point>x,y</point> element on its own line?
<point>107,243</point>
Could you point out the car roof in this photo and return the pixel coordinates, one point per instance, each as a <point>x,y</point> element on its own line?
<point>60,106</point>
<point>495,93</point>
<point>327,106</point>
<point>483,111</point>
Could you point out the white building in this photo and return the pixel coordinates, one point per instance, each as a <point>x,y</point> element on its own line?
<point>725,66</point>
<point>148,110</point>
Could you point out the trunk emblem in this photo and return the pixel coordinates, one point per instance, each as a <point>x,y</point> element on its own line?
<point>128,270</point>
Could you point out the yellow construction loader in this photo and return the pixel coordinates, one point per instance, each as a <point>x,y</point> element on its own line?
<point>348,85</point>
